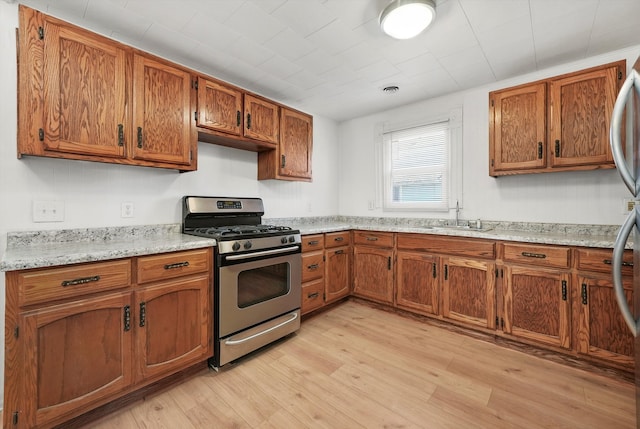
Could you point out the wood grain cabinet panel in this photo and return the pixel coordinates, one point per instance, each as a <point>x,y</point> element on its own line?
<point>537,254</point>
<point>261,119</point>
<point>468,291</point>
<point>219,107</point>
<point>312,242</point>
<point>83,96</point>
<point>417,283</point>
<point>83,118</point>
<point>373,273</point>
<point>312,265</point>
<point>537,305</point>
<point>337,273</point>
<point>337,239</point>
<point>312,295</point>
<point>518,128</point>
<point>599,260</point>
<point>557,124</point>
<point>170,265</point>
<point>63,346</point>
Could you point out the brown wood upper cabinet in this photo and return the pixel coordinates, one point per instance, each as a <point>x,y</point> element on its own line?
<point>292,158</point>
<point>131,108</point>
<point>558,124</point>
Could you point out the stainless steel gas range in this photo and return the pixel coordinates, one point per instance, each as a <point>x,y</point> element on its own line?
<point>257,281</point>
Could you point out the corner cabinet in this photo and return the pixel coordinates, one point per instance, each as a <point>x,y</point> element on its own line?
<point>136,319</point>
<point>292,158</point>
<point>558,124</point>
<point>132,108</point>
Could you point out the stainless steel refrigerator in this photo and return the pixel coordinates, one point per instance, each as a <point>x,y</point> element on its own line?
<point>625,126</point>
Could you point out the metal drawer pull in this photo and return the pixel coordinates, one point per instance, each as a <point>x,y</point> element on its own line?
<point>143,314</point>
<point>81,281</point>
<point>176,265</point>
<point>338,239</point>
<point>624,263</point>
<point>312,267</point>
<point>372,238</point>
<point>313,242</point>
<point>339,252</point>
<point>313,295</point>
<point>534,255</point>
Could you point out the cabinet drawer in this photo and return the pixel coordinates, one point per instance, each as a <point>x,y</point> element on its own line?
<point>312,242</point>
<point>372,238</point>
<point>458,246</point>
<point>170,265</point>
<point>312,295</point>
<point>37,286</point>
<point>548,256</point>
<point>337,239</point>
<point>599,260</point>
<point>312,266</point>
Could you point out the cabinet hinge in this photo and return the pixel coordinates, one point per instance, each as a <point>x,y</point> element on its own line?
<point>14,420</point>
<point>41,134</point>
<point>16,331</point>
<point>41,33</point>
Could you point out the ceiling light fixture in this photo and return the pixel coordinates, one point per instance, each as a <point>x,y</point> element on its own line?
<point>404,19</point>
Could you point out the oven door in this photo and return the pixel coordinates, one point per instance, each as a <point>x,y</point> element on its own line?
<point>257,287</point>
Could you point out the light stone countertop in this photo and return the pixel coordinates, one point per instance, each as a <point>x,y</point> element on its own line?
<point>34,249</point>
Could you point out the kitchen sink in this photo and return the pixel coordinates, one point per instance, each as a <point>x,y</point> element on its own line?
<point>462,228</point>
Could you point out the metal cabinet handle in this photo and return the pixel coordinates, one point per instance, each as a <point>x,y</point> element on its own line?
<point>313,295</point>
<point>143,314</point>
<point>338,239</point>
<point>583,294</point>
<point>372,238</point>
<point>313,243</point>
<point>339,252</point>
<point>283,161</point>
<point>564,290</point>
<point>534,255</point>
<point>624,263</point>
<point>248,121</point>
<point>80,281</point>
<point>313,267</point>
<point>140,137</point>
<point>557,149</point>
<point>127,318</point>
<point>618,252</point>
<point>176,265</point>
<point>238,118</point>
<point>539,150</point>
<point>120,135</point>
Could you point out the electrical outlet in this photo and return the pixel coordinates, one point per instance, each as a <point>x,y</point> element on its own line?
<point>48,211</point>
<point>127,209</point>
<point>628,204</point>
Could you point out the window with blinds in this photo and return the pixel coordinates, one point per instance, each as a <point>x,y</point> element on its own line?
<point>417,167</point>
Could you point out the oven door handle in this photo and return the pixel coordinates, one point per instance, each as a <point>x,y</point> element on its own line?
<point>292,318</point>
<point>262,253</point>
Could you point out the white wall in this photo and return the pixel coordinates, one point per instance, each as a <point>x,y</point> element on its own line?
<point>592,197</point>
<point>93,192</point>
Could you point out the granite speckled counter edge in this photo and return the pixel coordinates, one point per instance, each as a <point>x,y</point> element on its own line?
<point>541,233</point>
<point>35,249</point>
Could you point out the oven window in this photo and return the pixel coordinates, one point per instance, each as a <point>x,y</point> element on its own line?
<point>262,284</point>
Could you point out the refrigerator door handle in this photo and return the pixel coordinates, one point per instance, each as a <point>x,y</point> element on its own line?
<point>615,131</point>
<point>618,251</point>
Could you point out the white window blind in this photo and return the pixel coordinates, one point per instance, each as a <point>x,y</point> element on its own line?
<point>417,167</point>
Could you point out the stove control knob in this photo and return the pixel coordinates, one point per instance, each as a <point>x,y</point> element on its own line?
<point>235,246</point>
<point>292,239</point>
<point>247,245</point>
<point>283,240</point>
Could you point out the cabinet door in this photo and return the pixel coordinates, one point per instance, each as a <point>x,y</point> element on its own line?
<point>417,282</point>
<point>537,305</point>
<point>518,128</point>
<point>468,291</point>
<point>161,105</point>
<point>579,117</point>
<point>295,144</point>
<point>373,273</point>
<point>219,107</point>
<point>75,354</point>
<point>261,119</point>
<point>337,270</point>
<point>84,93</point>
<point>173,325</point>
<point>602,331</point>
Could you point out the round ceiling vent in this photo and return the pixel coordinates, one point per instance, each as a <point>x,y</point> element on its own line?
<point>391,89</point>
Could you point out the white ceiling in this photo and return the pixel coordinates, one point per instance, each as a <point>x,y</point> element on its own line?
<point>329,57</point>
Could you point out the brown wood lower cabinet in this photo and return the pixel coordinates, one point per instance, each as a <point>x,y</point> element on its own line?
<point>337,273</point>
<point>122,330</point>
<point>537,305</point>
<point>468,291</point>
<point>417,282</point>
<point>373,265</point>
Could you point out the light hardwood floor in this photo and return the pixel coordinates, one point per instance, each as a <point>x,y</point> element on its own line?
<point>359,367</point>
